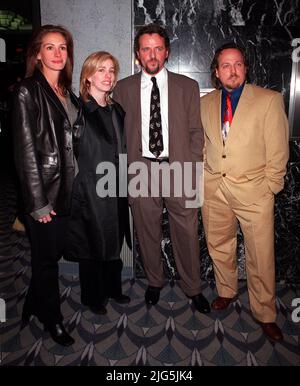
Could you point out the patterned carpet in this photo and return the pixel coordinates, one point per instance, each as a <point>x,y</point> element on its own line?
<point>170,333</point>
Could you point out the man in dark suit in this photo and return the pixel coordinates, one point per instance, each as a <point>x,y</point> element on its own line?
<point>171,131</point>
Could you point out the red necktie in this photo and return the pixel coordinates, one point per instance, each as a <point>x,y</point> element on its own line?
<point>227,119</point>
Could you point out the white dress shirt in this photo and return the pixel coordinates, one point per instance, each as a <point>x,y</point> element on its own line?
<point>146,88</point>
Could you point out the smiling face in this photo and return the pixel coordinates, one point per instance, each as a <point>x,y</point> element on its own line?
<point>231,69</point>
<point>103,80</point>
<point>53,53</point>
<point>152,53</point>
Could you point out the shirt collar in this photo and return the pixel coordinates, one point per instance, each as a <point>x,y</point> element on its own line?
<point>235,94</point>
<point>161,77</point>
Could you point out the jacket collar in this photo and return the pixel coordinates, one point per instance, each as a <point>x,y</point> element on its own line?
<point>91,105</point>
<point>117,118</point>
<point>39,77</point>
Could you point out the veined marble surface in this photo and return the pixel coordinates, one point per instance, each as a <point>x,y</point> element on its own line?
<point>198,27</point>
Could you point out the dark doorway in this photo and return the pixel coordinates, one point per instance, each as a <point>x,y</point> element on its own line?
<point>17,21</point>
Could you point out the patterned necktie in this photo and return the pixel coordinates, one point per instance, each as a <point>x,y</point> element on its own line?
<point>156,145</point>
<point>227,118</point>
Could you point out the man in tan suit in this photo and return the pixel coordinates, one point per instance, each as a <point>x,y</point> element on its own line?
<point>246,151</point>
<point>181,139</point>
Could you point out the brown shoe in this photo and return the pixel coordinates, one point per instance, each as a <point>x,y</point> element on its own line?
<point>220,303</point>
<point>272,331</point>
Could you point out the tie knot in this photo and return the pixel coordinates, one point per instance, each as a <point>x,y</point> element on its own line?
<point>154,81</point>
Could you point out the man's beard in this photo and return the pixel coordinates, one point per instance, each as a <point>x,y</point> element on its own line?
<point>152,71</point>
<point>233,83</point>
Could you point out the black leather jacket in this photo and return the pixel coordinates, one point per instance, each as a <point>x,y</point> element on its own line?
<point>44,145</point>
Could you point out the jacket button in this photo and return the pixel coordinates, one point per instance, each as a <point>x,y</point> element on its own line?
<point>224,156</point>
<point>224,174</point>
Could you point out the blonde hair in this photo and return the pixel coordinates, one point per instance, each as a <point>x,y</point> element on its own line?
<point>90,66</point>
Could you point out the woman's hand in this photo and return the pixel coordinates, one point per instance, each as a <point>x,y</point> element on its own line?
<point>47,218</point>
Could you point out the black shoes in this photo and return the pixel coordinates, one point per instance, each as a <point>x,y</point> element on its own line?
<point>201,304</point>
<point>122,299</point>
<point>57,331</point>
<point>59,334</point>
<point>26,316</point>
<point>98,310</point>
<point>25,319</point>
<point>152,295</point>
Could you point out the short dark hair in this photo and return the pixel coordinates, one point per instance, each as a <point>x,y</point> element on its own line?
<point>215,63</point>
<point>151,29</point>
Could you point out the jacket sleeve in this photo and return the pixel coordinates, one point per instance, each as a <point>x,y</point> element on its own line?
<point>277,143</point>
<point>195,125</point>
<point>117,95</point>
<point>25,154</point>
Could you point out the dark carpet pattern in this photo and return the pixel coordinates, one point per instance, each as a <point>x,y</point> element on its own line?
<point>170,333</point>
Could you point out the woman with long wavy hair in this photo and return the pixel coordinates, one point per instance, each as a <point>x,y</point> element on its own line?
<point>47,120</point>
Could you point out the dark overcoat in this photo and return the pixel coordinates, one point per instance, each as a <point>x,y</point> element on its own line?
<point>98,224</point>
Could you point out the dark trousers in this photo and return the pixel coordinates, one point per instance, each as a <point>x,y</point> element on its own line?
<point>100,281</point>
<point>47,247</point>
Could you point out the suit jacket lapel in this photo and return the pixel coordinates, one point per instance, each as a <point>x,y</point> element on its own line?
<point>134,94</point>
<point>174,91</point>
<point>241,112</point>
<point>215,117</point>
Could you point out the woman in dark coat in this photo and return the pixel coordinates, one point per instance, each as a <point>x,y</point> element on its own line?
<point>47,118</point>
<point>99,217</point>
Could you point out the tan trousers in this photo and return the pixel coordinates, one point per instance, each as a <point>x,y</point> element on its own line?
<point>220,214</point>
